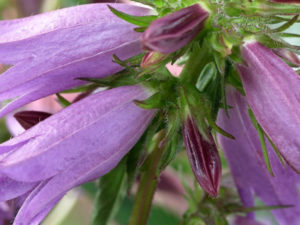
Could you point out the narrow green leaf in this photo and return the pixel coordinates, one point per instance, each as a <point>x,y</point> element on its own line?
<point>62,101</point>
<point>262,140</point>
<point>153,102</point>
<point>276,150</point>
<point>213,125</point>
<point>286,25</point>
<point>142,21</point>
<point>206,75</point>
<point>107,199</point>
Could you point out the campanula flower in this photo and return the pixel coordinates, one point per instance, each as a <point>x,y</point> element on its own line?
<point>245,159</point>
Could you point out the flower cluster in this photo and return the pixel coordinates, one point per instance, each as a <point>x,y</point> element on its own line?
<point>237,93</point>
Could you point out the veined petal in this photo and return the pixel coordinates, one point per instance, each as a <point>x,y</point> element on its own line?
<point>10,189</point>
<point>98,124</point>
<point>18,29</point>
<point>73,47</point>
<point>247,165</point>
<point>272,90</point>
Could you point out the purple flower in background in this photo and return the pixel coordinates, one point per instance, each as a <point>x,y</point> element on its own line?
<point>76,145</point>
<point>272,90</point>
<point>172,32</point>
<point>245,159</point>
<point>49,51</point>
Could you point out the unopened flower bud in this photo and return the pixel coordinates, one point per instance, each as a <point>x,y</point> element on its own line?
<point>28,119</point>
<point>151,59</point>
<point>172,32</point>
<point>203,156</point>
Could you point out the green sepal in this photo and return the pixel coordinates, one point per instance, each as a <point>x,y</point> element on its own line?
<point>153,102</point>
<point>260,133</point>
<point>80,89</point>
<point>241,209</point>
<point>172,139</point>
<point>286,25</point>
<point>62,101</point>
<point>142,21</point>
<point>107,200</point>
<point>274,41</point>
<point>122,78</point>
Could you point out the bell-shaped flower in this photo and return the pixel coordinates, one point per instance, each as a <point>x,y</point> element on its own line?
<point>248,168</point>
<point>273,93</point>
<point>203,156</point>
<point>172,32</point>
<point>78,144</point>
<point>50,51</point>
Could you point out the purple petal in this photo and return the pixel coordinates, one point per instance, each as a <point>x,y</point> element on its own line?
<point>96,125</point>
<point>41,215</point>
<point>273,91</point>
<point>10,189</point>
<point>248,168</point>
<point>67,47</point>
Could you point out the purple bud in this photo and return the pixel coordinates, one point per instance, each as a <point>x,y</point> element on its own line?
<point>28,119</point>
<point>170,33</point>
<point>203,156</point>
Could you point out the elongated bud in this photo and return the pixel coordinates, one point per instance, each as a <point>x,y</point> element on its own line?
<point>170,33</point>
<point>28,119</point>
<point>203,156</point>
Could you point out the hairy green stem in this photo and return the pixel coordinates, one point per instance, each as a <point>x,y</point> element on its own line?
<point>147,185</point>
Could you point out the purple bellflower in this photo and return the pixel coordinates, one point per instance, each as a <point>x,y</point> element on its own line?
<point>76,145</point>
<point>172,32</point>
<point>69,43</point>
<point>272,90</point>
<point>87,139</point>
<point>245,159</point>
